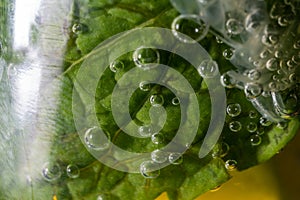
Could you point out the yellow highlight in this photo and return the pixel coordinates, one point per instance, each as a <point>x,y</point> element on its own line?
<point>54,197</point>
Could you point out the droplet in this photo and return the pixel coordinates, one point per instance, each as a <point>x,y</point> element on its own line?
<point>231,165</point>
<point>254,20</point>
<point>264,54</point>
<point>208,68</point>
<point>296,58</point>
<point>219,41</point>
<point>77,28</point>
<point>297,45</point>
<point>175,158</point>
<point>116,66</point>
<point>51,171</point>
<point>227,80</point>
<point>216,189</point>
<point>143,57</point>
<point>156,100</point>
<point>157,138</point>
<point>291,65</point>
<point>252,127</point>
<point>272,64</point>
<point>234,109</point>
<point>146,131</point>
<point>235,126</point>
<point>73,171</point>
<point>175,101</point>
<point>159,156</point>
<point>264,121</point>
<point>221,151</point>
<point>96,139</point>
<point>145,86</point>
<point>254,74</point>
<point>189,25</point>
<point>234,26</point>
<point>282,125</point>
<point>260,130</point>
<point>148,169</point>
<point>284,20</point>
<point>253,114</point>
<point>293,78</point>
<point>252,90</point>
<point>272,86</point>
<point>273,39</point>
<point>255,140</point>
<point>278,54</point>
<point>228,53</point>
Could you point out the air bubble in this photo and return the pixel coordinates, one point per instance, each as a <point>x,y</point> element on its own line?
<point>227,80</point>
<point>104,197</point>
<point>156,100</point>
<point>157,138</point>
<point>297,45</point>
<point>142,57</point>
<point>208,69</point>
<point>219,41</point>
<point>253,114</point>
<point>148,169</point>
<point>264,121</point>
<point>216,189</point>
<point>221,150</point>
<point>272,86</point>
<point>175,158</point>
<point>159,156</point>
<point>231,165</point>
<point>228,53</point>
<point>96,139</point>
<point>252,127</point>
<point>51,171</point>
<point>77,28</point>
<point>254,74</point>
<point>234,27</point>
<point>235,126</point>
<point>272,64</point>
<point>252,90</point>
<point>296,58</point>
<point>145,86</point>
<point>264,54</point>
<point>255,140</point>
<point>254,20</point>
<point>293,78</point>
<point>145,131</point>
<point>73,171</point>
<point>116,66</point>
<point>234,109</point>
<point>260,130</point>
<point>282,125</point>
<point>175,101</point>
<point>189,25</point>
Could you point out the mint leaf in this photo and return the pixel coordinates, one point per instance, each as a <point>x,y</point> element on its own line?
<point>91,22</point>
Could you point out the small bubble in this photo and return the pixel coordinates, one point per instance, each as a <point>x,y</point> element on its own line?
<point>283,21</point>
<point>252,90</point>
<point>96,139</point>
<point>51,171</point>
<point>252,127</point>
<point>272,64</point>
<point>297,45</point>
<point>254,20</point>
<point>142,57</point>
<point>234,109</point>
<point>156,100</point>
<point>282,125</point>
<point>146,131</point>
<point>272,86</point>
<point>253,114</point>
<point>296,58</point>
<point>157,138</point>
<point>293,78</point>
<point>73,171</point>
<point>234,27</point>
<point>216,189</point>
<point>104,197</point>
<point>255,140</point>
<point>219,41</point>
<point>190,25</point>
<point>260,130</point>
<point>264,54</point>
<point>116,66</point>
<point>208,68</point>
<point>273,39</point>
<point>222,150</point>
<point>278,54</point>
<point>231,165</point>
<point>264,121</point>
<point>254,74</point>
<point>175,101</point>
<point>175,158</point>
<point>77,28</point>
<point>148,169</point>
<point>159,156</point>
<point>235,126</point>
<point>227,54</point>
<point>266,94</point>
<point>227,80</point>
<point>145,86</point>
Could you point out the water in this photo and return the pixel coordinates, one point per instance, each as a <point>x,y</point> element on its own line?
<point>234,109</point>
<point>148,170</point>
<point>96,139</point>
<point>142,57</point>
<point>208,69</point>
<point>51,171</point>
<point>73,171</point>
